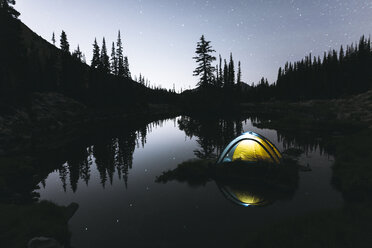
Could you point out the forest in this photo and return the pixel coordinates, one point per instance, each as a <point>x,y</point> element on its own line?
<point>31,64</point>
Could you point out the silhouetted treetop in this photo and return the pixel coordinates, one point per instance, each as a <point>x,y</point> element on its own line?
<point>96,60</point>
<point>119,56</point>
<point>53,39</point>
<point>65,46</point>
<point>204,59</point>
<point>104,58</point>
<point>113,61</point>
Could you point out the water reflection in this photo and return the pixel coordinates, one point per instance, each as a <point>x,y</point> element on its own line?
<point>244,183</point>
<point>212,135</point>
<point>114,156</point>
<point>289,136</point>
<point>134,156</point>
<point>243,195</point>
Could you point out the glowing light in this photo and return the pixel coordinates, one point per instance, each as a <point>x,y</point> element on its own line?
<point>250,147</point>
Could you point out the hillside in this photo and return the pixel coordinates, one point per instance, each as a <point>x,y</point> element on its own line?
<point>49,96</point>
<point>31,64</point>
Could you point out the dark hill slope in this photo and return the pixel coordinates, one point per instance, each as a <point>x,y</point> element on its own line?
<point>28,64</point>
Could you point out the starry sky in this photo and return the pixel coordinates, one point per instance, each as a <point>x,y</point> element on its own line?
<point>160,36</point>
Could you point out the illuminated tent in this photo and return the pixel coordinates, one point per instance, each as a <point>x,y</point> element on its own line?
<point>250,147</point>
<point>255,189</point>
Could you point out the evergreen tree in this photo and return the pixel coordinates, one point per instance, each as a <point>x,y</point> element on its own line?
<point>341,56</point>
<point>119,56</point>
<point>96,61</point>
<point>204,59</point>
<point>225,74</point>
<point>54,39</point>
<point>337,74</point>
<point>114,62</point>
<point>127,73</point>
<point>65,46</point>
<point>239,76</point>
<point>221,72</point>
<point>104,58</point>
<point>231,71</point>
<point>7,8</point>
<point>217,81</point>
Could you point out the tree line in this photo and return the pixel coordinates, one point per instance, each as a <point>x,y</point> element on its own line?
<point>40,66</point>
<point>337,74</point>
<point>116,64</point>
<point>216,76</point>
<point>30,64</point>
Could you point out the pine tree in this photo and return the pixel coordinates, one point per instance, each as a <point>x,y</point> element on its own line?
<point>114,62</point>
<point>65,46</point>
<point>239,76</point>
<point>341,56</point>
<point>7,8</point>
<point>96,55</point>
<point>119,56</point>
<point>217,81</point>
<point>54,39</point>
<point>104,58</point>
<point>221,71</point>
<point>225,74</point>
<point>231,71</point>
<point>126,68</point>
<point>204,59</point>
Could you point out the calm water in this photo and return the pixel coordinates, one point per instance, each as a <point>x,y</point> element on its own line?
<point>120,204</point>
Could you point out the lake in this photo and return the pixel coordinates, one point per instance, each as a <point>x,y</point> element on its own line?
<point>113,179</point>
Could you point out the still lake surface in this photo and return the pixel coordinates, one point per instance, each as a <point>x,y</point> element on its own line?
<point>120,204</point>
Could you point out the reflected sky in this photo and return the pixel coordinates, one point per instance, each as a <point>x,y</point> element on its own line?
<point>169,214</point>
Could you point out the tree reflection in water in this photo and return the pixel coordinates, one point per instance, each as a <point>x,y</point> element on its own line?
<point>246,184</point>
<point>115,155</point>
<point>212,134</point>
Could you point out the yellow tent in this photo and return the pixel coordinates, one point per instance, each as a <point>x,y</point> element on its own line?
<point>250,147</point>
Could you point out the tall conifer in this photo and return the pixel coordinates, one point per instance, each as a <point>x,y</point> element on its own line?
<point>65,46</point>
<point>204,59</point>
<point>113,60</point>
<point>239,76</point>
<point>96,55</point>
<point>119,56</point>
<point>104,58</point>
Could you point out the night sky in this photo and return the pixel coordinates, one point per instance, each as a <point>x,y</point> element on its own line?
<point>160,35</point>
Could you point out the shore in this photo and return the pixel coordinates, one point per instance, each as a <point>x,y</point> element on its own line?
<point>50,121</point>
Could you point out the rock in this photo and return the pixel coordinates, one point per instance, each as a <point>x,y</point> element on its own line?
<point>44,242</point>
